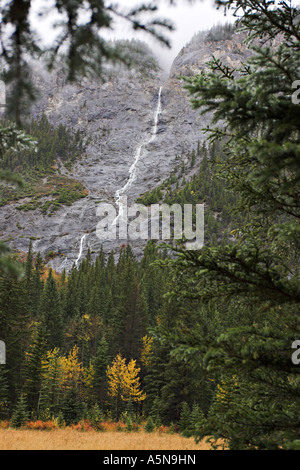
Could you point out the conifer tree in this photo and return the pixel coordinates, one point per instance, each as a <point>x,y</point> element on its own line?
<point>33,367</point>
<point>130,409</point>
<point>50,312</point>
<point>149,426</point>
<point>20,414</point>
<point>101,362</point>
<point>37,284</point>
<point>51,383</point>
<point>29,270</point>
<point>3,393</point>
<point>13,329</point>
<point>96,416</point>
<point>257,273</point>
<point>185,417</point>
<point>71,406</point>
<point>136,320</point>
<point>63,292</point>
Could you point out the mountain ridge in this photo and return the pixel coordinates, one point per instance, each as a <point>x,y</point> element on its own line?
<point>118,117</point>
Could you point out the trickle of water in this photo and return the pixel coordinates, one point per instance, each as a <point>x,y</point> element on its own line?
<point>156,117</point>
<point>132,169</point>
<point>81,248</point>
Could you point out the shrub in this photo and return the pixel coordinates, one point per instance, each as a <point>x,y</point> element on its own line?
<point>60,420</point>
<point>162,429</point>
<point>129,424</point>
<point>42,425</point>
<point>4,424</point>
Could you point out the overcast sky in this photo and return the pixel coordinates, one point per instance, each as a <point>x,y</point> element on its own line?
<point>188,18</point>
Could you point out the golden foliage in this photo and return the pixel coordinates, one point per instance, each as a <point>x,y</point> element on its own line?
<point>123,380</point>
<point>64,371</point>
<point>72,368</point>
<point>52,372</point>
<point>146,350</point>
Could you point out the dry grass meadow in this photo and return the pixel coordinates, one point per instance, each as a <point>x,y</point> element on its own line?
<point>69,439</point>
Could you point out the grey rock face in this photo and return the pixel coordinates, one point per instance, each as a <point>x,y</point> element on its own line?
<point>118,117</point>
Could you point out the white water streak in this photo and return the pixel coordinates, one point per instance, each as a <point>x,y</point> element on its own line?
<point>132,169</point>
<point>132,172</point>
<point>81,247</point>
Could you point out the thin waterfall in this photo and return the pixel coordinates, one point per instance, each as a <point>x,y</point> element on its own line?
<point>132,172</point>
<point>64,263</point>
<point>132,169</point>
<point>156,117</point>
<point>80,251</point>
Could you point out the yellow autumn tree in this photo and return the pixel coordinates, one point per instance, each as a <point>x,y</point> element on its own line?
<point>51,367</point>
<point>124,382</point>
<point>72,371</point>
<point>146,350</point>
<point>61,373</point>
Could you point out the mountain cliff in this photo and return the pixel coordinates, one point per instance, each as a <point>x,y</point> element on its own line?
<point>117,119</point>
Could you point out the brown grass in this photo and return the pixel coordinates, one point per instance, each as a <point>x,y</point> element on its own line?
<point>69,439</point>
